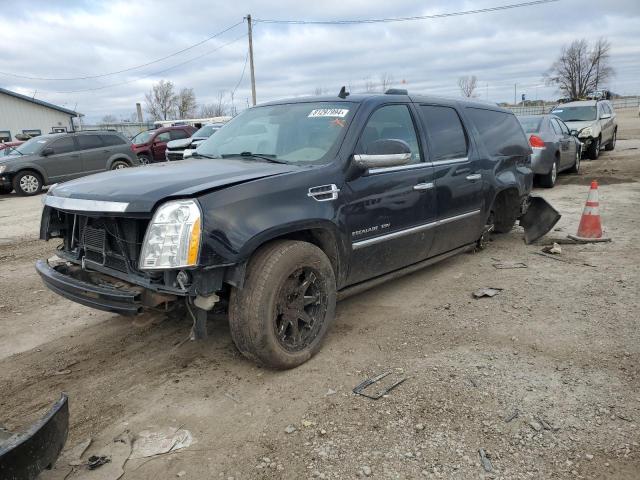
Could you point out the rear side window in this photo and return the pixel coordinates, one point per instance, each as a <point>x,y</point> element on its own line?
<point>500,132</point>
<point>111,140</point>
<point>176,134</point>
<point>162,137</point>
<point>63,145</point>
<point>447,135</point>
<point>87,142</point>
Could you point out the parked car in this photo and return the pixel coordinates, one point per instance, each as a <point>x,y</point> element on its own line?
<point>58,157</point>
<point>594,121</point>
<point>555,149</point>
<point>345,192</point>
<point>181,149</point>
<point>6,148</point>
<point>150,145</point>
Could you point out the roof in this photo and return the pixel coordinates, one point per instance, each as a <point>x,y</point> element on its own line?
<point>579,103</point>
<point>40,102</point>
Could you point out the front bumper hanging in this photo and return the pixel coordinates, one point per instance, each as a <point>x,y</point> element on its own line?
<point>24,455</point>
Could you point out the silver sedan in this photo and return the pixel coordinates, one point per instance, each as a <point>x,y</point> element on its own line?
<point>554,148</point>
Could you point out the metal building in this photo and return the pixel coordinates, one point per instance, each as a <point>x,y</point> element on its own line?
<point>20,114</point>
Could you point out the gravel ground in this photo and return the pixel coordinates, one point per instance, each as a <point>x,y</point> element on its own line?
<point>543,377</point>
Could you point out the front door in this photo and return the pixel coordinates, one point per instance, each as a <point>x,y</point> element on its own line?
<point>64,162</point>
<point>390,212</point>
<point>567,144</point>
<point>159,146</point>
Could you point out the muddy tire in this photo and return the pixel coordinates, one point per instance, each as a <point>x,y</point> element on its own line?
<point>504,213</point>
<point>282,314</point>
<point>119,165</point>
<point>612,144</point>
<point>549,180</point>
<point>144,159</point>
<point>593,152</point>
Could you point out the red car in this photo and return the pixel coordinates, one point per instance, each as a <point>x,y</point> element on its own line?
<point>150,145</point>
<point>7,147</point>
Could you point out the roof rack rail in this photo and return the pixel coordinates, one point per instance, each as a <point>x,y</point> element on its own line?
<point>396,91</point>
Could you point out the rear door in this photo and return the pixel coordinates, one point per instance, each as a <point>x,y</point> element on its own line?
<point>570,141</point>
<point>458,173</point>
<point>94,153</point>
<point>390,211</point>
<point>64,163</point>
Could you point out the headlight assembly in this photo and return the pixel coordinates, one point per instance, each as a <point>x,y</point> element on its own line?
<point>2,168</point>
<point>173,236</point>
<point>586,132</point>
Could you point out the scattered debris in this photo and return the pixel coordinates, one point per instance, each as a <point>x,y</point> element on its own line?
<point>330,392</point>
<point>535,425</point>
<point>289,429</point>
<point>228,395</point>
<point>149,444</point>
<point>546,424</point>
<point>487,292</point>
<point>509,265</point>
<point>622,417</point>
<point>181,473</point>
<point>486,462</point>
<point>554,249</point>
<point>62,372</point>
<point>359,389</point>
<point>473,382</point>
<point>513,416</point>
<point>366,471</point>
<point>548,255</point>
<point>308,423</point>
<point>76,453</point>
<point>96,461</point>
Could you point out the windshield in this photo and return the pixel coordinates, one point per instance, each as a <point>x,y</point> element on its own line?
<point>576,114</point>
<point>291,133</point>
<point>206,131</point>
<point>142,137</point>
<point>29,147</point>
<point>530,124</point>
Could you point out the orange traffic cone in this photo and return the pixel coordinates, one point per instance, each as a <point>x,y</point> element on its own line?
<point>590,228</point>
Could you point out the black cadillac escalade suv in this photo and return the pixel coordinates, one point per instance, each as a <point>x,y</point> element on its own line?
<point>288,207</point>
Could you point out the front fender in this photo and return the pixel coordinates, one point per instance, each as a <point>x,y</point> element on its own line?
<point>28,166</point>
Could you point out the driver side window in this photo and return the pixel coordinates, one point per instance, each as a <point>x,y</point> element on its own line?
<point>391,122</point>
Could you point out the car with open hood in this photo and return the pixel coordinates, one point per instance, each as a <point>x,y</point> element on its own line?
<point>593,121</point>
<point>291,206</point>
<point>184,148</point>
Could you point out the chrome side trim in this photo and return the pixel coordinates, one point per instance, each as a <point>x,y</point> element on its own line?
<point>399,168</point>
<point>409,231</point>
<point>450,161</point>
<point>317,193</point>
<point>81,205</point>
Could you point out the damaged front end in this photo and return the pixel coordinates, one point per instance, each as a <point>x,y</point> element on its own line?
<point>538,217</point>
<point>24,455</point>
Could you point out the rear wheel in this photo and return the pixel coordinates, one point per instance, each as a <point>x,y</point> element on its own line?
<point>27,183</point>
<point>612,144</point>
<point>144,159</point>
<point>549,180</point>
<point>576,163</point>
<point>594,149</point>
<point>504,213</point>
<point>119,164</point>
<point>281,315</point>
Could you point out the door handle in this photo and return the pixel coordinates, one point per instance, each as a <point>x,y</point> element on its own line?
<point>423,186</point>
<point>473,177</point>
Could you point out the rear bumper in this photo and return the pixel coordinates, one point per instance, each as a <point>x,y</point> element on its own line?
<point>24,455</point>
<point>59,279</point>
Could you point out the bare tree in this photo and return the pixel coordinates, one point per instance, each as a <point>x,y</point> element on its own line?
<point>581,69</point>
<point>386,80</point>
<point>369,85</point>
<point>219,108</point>
<point>318,91</point>
<point>468,86</point>
<point>187,105</point>
<point>107,119</point>
<point>161,101</point>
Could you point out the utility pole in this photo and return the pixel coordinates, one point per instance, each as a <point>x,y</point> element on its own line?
<point>515,98</point>
<point>253,73</point>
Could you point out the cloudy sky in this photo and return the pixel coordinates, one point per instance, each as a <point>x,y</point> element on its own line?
<point>69,39</point>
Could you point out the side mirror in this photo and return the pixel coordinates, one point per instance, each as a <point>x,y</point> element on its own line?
<point>384,153</point>
<point>574,133</point>
<point>605,115</point>
<point>46,151</point>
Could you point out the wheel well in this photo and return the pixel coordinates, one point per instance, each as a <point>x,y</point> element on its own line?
<point>31,170</point>
<point>319,237</point>
<point>506,203</point>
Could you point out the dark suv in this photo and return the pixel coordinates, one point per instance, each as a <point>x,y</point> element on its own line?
<point>58,157</point>
<point>150,145</point>
<point>290,206</point>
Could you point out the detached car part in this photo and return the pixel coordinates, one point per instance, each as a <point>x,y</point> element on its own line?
<point>539,218</point>
<point>24,455</point>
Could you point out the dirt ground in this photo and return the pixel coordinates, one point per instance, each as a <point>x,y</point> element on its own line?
<point>558,349</point>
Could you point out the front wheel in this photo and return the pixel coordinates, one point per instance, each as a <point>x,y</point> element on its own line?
<point>119,165</point>
<point>27,183</point>
<point>594,149</point>
<point>281,315</point>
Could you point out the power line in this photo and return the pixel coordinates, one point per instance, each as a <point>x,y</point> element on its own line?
<point>91,77</point>
<point>158,72</point>
<point>405,19</point>
<point>244,67</point>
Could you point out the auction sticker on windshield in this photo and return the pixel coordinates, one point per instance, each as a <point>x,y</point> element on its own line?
<point>329,112</point>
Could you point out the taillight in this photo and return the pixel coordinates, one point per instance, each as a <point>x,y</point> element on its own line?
<point>133,149</point>
<point>536,142</point>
